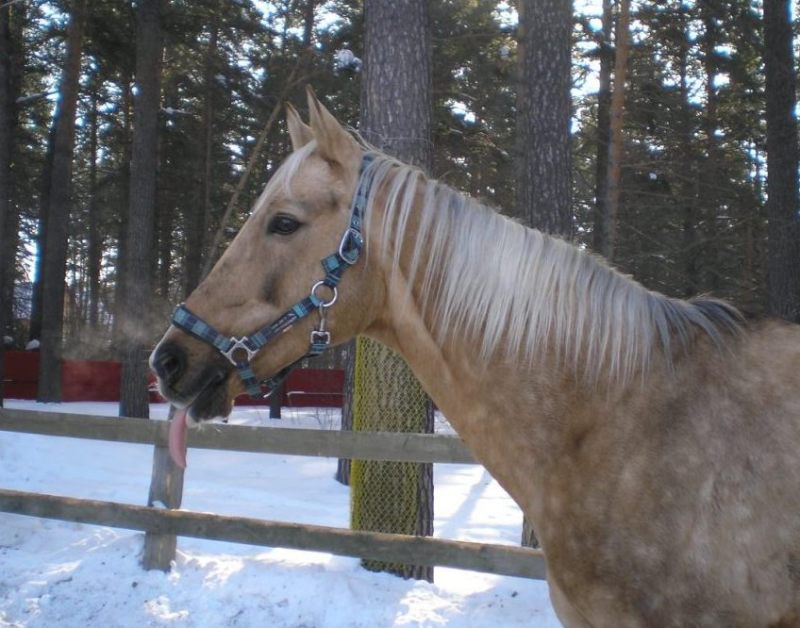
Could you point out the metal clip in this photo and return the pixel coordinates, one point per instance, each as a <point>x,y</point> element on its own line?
<point>320,337</point>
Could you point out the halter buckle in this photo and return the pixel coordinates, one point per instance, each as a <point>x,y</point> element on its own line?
<point>238,343</point>
<point>350,256</point>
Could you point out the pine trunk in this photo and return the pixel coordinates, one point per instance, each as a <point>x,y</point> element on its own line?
<point>95,243</point>
<point>690,185</point>
<point>12,60</point>
<point>396,116</point>
<point>783,255</point>
<point>124,174</point>
<point>54,241</point>
<point>544,111</point>
<point>710,173</point>
<point>137,296</point>
<point>617,112</point>
<point>197,219</point>
<point>5,164</point>
<point>602,228</point>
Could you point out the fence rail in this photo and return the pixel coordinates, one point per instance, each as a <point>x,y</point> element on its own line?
<point>504,560</point>
<point>164,524</point>
<point>399,447</point>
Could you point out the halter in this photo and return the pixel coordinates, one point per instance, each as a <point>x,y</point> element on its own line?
<point>240,351</point>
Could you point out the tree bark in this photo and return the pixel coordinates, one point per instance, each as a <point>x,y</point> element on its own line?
<point>690,187</point>
<point>544,110</point>
<point>712,163</point>
<point>783,255</point>
<point>95,243</point>
<point>54,242</point>
<point>134,399</point>
<point>601,226</point>
<point>6,114</point>
<point>617,112</point>
<point>396,116</point>
<point>198,219</point>
<point>124,174</point>
<point>15,62</point>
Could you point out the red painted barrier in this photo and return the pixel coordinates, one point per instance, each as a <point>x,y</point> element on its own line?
<point>21,374</point>
<point>314,387</point>
<point>84,380</point>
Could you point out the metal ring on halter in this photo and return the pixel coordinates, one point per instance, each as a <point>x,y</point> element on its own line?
<point>324,304</point>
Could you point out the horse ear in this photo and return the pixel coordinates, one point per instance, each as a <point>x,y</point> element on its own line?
<point>299,132</point>
<point>334,143</point>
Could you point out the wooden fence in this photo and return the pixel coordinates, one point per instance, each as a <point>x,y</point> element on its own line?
<point>164,524</point>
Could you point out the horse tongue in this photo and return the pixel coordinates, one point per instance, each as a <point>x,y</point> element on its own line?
<point>177,437</point>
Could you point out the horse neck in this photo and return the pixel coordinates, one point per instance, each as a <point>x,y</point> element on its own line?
<point>478,391</point>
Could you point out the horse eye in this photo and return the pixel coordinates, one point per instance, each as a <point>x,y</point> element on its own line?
<point>283,225</point>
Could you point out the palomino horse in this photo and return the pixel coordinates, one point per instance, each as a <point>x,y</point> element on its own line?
<point>653,443</point>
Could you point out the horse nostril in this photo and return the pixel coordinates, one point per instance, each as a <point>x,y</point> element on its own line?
<point>169,363</point>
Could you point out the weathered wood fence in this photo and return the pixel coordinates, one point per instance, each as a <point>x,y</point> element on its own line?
<point>162,525</point>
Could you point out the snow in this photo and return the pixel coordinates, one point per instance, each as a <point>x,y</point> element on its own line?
<point>65,574</point>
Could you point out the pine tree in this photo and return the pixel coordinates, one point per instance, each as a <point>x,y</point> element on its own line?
<point>544,110</point>
<point>134,400</point>
<point>53,246</point>
<point>6,114</point>
<point>396,112</point>
<point>783,267</point>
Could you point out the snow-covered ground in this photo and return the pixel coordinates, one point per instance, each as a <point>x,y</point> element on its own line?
<point>59,575</point>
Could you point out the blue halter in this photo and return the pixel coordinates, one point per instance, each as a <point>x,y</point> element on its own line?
<point>240,351</point>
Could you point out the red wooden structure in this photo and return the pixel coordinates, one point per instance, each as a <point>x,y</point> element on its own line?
<point>85,380</point>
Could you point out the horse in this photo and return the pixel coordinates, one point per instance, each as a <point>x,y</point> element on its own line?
<point>652,442</point>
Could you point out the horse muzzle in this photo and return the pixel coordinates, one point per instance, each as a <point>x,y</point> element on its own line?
<point>201,388</point>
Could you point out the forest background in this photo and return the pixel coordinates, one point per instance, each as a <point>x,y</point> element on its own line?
<point>678,128</point>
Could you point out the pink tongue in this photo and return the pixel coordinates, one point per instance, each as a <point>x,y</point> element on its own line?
<point>177,438</point>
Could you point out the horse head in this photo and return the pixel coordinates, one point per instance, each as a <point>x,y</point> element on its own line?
<point>292,281</point>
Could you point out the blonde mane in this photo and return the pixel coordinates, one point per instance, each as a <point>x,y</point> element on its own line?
<point>522,291</point>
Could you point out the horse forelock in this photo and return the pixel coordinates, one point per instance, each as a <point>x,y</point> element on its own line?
<point>283,178</point>
<point>523,292</point>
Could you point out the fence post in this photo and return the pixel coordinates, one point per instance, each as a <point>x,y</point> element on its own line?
<point>166,491</point>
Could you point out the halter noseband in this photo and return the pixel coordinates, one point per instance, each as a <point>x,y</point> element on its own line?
<point>240,351</point>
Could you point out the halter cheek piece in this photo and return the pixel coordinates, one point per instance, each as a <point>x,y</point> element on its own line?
<point>240,351</point>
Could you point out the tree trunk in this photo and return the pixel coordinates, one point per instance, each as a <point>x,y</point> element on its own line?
<point>783,255</point>
<point>617,112</point>
<point>55,236</point>
<point>396,116</point>
<point>6,114</point>
<point>137,333</point>
<point>712,162</point>
<point>602,228</point>
<point>544,110</point>
<point>124,202</point>
<point>14,62</point>
<point>198,219</point>
<point>95,243</point>
<point>690,187</point>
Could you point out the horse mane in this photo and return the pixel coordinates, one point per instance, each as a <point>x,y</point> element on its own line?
<point>523,291</point>
<point>520,290</point>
